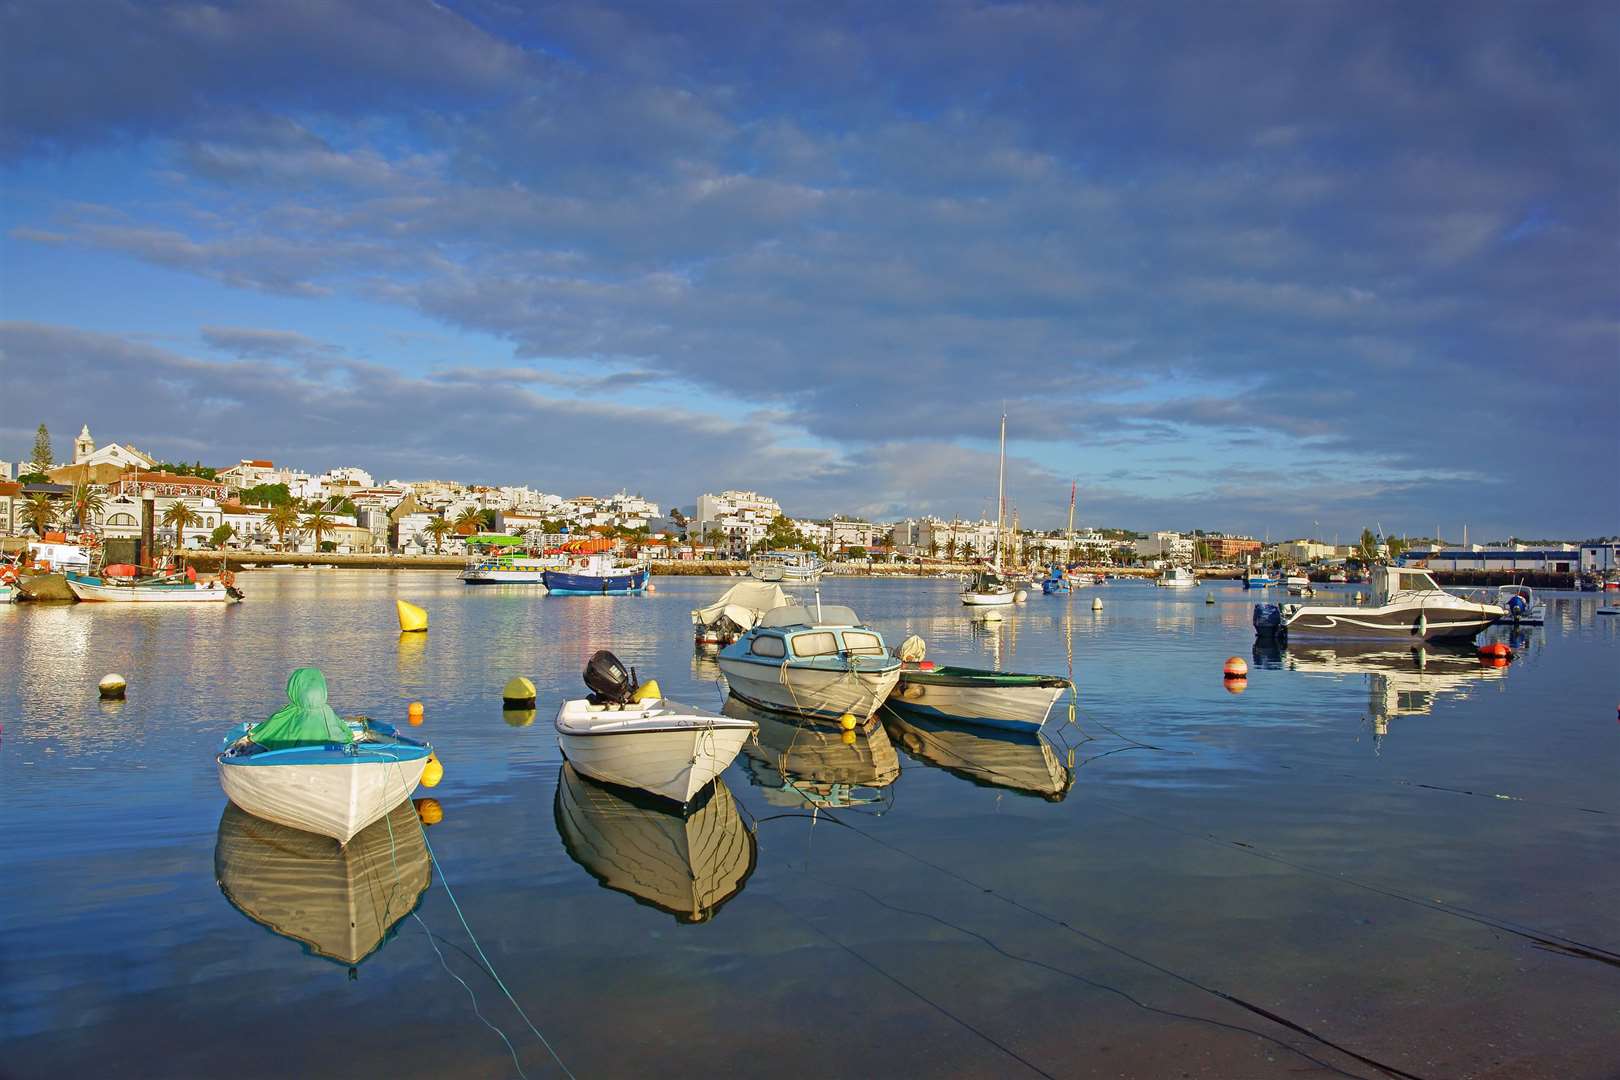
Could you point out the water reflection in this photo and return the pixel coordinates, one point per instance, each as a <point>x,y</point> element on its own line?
<point>1022,762</point>
<point>1400,681</point>
<point>803,766</point>
<point>688,864</point>
<point>339,903</point>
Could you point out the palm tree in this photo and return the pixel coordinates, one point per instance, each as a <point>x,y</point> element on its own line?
<point>439,528</point>
<point>39,512</point>
<point>86,502</point>
<point>319,522</point>
<point>283,519</point>
<point>178,516</point>
<point>950,548</point>
<point>469,521</point>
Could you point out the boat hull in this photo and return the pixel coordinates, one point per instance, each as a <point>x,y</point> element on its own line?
<point>561,583</point>
<point>1395,622</point>
<point>92,590</point>
<point>504,577</point>
<point>672,764</point>
<point>825,693</point>
<point>977,703</point>
<point>987,599</point>
<point>336,800</point>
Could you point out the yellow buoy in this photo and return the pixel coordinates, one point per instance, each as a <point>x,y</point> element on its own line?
<point>412,619</point>
<point>847,721</point>
<point>414,712</point>
<point>433,772</point>
<point>519,693</point>
<point>518,717</point>
<point>848,738</point>
<point>112,687</point>
<point>647,691</point>
<point>429,811</point>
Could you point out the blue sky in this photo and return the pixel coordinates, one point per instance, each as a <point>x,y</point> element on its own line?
<point>1240,266</point>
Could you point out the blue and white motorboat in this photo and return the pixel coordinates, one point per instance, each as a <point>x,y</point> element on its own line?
<point>820,663</point>
<point>1056,581</point>
<point>598,575</point>
<point>1521,605</point>
<point>1258,579</point>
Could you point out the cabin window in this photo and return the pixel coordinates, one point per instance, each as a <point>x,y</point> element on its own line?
<point>768,646</point>
<point>860,643</point>
<point>820,643</point>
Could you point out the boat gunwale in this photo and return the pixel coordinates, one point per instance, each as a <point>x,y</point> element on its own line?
<point>949,675</point>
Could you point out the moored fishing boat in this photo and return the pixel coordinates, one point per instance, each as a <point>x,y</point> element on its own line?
<point>307,769</point>
<point>820,664</point>
<point>599,574</point>
<point>1520,605</point>
<point>687,864</point>
<point>793,566</point>
<point>738,610</point>
<point>1176,577</point>
<point>510,569</point>
<point>992,699</point>
<point>166,589</point>
<point>340,903</point>
<point>628,735</point>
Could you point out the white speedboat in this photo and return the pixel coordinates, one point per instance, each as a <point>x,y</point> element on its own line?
<point>793,566</point>
<point>820,664</point>
<point>1176,577</point>
<point>1406,605</point>
<point>653,745</point>
<point>738,610</point>
<point>1521,605</point>
<point>1297,580</point>
<point>685,864</point>
<point>340,903</point>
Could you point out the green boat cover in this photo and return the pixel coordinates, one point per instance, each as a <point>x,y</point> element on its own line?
<point>961,676</point>
<point>306,719</point>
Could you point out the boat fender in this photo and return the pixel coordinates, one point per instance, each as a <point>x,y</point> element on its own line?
<point>432,772</point>
<point>847,721</point>
<point>647,691</point>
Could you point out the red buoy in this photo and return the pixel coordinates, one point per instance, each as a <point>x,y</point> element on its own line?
<point>1496,650</point>
<point>1236,668</point>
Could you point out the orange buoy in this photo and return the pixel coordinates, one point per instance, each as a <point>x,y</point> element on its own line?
<point>1236,668</point>
<point>1236,684</point>
<point>414,711</point>
<point>1496,650</point>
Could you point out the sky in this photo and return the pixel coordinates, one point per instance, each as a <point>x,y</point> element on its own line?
<point>1282,269</point>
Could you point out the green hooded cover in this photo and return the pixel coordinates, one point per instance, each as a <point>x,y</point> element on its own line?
<point>306,719</point>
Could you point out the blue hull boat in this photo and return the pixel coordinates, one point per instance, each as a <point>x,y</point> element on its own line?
<point>562,583</point>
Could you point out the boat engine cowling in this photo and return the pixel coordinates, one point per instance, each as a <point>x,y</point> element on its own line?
<point>609,681</point>
<point>1517,604</point>
<point>1268,619</point>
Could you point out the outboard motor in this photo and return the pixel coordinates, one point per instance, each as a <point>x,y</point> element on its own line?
<point>1517,604</point>
<point>608,680</point>
<point>1268,619</point>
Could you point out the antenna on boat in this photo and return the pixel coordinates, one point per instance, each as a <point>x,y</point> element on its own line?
<point>818,600</point>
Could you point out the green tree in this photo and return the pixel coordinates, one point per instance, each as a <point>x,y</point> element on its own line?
<point>86,502</point>
<point>319,523</point>
<point>1396,546</point>
<point>221,534</point>
<point>43,458</point>
<point>266,495</point>
<point>283,519</point>
<point>950,548</point>
<point>782,533</point>
<point>180,517</point>
<point>39,512</point>
<point>439,528</point>
<point>1368,548</point>
<point>468,521</point>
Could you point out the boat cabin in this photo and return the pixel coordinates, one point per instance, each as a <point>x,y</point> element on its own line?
<point>797,633</point>
<point>1389,581</point>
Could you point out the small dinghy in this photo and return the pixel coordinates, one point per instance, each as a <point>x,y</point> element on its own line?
<point>1005,700</point>
<point>307,769</point>
<point>628,735</point>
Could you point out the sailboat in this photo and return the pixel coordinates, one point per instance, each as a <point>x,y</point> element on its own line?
<point>987,589</point>
<point>1060,578</point>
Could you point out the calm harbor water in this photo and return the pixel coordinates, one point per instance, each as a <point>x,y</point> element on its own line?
<point>1359,866</point>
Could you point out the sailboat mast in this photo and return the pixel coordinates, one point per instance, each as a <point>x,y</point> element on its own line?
<point>1069,552</point>
<point>1001,491</point>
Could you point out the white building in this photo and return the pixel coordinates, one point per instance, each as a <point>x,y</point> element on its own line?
<point>956,539</point>
<point>1168,546</point>
<point>120,518</point>
<point>345,476</point>
<point>734,503</point>
<point>85,452</point>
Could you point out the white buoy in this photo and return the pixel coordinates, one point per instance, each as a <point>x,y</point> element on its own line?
<point>1096,603</point>
<point>112,687</point>
<point>1020,596</point>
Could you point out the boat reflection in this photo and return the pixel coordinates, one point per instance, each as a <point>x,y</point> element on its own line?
<point>801,765</point>
<point>1016,761</point>
<point>339,903</point>
<point>687,865</point>
<point>1400,681</point>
